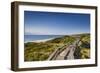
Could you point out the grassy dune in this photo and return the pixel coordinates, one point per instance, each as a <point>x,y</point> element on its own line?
<point>83,47</point>
<point>41,51</point>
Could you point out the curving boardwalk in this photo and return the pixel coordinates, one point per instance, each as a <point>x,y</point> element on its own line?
<point>66,53</point>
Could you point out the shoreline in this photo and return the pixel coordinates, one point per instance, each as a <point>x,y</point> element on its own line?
<point>38,41</point>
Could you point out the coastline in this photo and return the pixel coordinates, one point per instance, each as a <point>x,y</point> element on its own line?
<point>38,41</point>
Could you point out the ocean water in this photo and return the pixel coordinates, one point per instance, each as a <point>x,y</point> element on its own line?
<point>28,38</point>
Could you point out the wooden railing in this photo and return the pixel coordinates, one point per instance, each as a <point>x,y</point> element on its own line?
<point>57,51</point>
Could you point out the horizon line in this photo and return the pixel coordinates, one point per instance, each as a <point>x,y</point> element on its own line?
<point>59,34</point>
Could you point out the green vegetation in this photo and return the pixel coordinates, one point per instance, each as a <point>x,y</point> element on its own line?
<point>83,47</point>
<point>85,53</point>
<point>41,51</point>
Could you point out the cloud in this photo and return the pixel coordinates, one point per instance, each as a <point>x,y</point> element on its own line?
<point>43,30</point>
<point>38,31</point>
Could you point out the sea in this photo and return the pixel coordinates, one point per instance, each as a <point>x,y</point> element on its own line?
<point>28,38</point>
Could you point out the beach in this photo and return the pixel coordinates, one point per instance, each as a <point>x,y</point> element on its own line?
<point>43,40</point>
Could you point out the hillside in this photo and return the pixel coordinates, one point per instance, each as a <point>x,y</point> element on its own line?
<point>41,51</point>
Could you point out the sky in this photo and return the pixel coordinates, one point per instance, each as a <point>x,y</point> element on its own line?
<point>54,23</point>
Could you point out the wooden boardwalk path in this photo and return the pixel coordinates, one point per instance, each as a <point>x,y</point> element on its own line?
<point>64,52</point>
